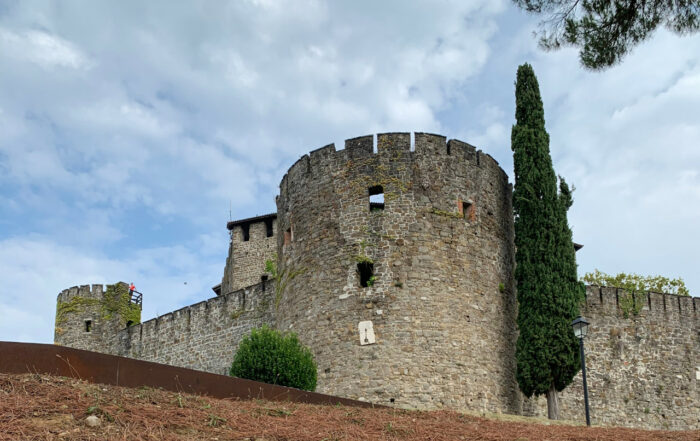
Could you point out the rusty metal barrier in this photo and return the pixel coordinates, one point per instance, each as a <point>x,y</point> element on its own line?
<point>94,367</point>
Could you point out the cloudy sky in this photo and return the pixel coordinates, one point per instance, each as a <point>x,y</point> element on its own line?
<point>128,130</point>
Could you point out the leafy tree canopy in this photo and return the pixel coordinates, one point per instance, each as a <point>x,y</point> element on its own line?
<point>606,30</point>
<point>635,282</point>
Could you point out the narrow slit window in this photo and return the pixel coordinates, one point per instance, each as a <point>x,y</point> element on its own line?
<point>376,198</point>
<point>288,236</point>
<point>88,325</point>
<point>245,228</point>
<point>268,227</point>
<point>466,209</point>
<point>366,273</point>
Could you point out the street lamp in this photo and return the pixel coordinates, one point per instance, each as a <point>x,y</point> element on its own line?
<point>580,330</point>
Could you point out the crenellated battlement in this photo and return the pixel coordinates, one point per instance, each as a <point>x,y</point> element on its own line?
<point>391,147</point>
<point>644,305</point>
<point>96,291</point>
<point>244,300</point>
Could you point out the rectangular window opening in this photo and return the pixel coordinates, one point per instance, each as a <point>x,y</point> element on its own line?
<point>366,273</point>
<point>88,325</point>
<point>288,236</point>
<point>268,228</point>
<point>245,228</point>
<point>466,209</point>
<point>376,198</point>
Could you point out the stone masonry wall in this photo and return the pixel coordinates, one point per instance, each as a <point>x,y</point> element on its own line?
<point>246,259</point>
<point>202,336</point>
<point>643,370</point>
<point>74,308</point>
<point>442,304</point>
<point>436,325</point>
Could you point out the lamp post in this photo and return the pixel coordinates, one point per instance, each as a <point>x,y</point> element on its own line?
<point>580,330</point>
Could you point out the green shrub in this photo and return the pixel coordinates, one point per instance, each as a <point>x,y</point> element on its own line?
<point>271,357</point>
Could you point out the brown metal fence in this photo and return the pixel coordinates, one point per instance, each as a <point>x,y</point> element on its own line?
<point>22,358</point>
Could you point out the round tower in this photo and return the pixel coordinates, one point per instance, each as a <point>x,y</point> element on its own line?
<point>396,268</point>
<point>89,317</point>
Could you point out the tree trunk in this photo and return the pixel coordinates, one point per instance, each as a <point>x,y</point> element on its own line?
<point>552,403</point>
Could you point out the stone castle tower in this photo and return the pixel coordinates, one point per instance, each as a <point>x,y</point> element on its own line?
<point>394,259</point>
<point>428,271</point>
<point>89,317</point>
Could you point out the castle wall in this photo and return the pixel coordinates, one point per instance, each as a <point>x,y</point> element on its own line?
<point>435,325</point>
<point>246,259</point>
<point>442,304</point>
<point>202,336</point>
<point>642,371</point>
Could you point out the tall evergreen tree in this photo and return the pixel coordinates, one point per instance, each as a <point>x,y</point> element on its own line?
<point>548,291</point>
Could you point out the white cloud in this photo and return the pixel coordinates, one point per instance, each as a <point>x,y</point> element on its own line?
<point>129,128</point>
<point>46,50</point>
<point>43,268</point>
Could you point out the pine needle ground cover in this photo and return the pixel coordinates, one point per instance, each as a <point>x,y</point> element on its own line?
<point>39,407</point>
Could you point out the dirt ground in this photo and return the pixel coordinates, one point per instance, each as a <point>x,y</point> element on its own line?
<point>40,407</point>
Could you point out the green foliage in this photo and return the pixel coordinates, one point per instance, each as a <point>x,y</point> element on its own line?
<point>271,357</point>
<point>362,256</point>
<point>215,420</point>
<point>359,258</point>
<point>548,290</point>
<point>282,277</point>
<point>631,299</point>
<point>605,31</point>
<point>371,280</point>
<point>631,303</point>
<point>117,302</point>
<point>636,282</point>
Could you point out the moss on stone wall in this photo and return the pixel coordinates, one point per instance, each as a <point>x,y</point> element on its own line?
<point>446,213</point>
<point>631,304</point>
<point>72,306</point>
<point>116,301</point>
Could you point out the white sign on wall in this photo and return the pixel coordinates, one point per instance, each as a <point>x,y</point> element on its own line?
<point>366,333</point>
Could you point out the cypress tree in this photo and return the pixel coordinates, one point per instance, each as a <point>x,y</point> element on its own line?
<point>548,291</point>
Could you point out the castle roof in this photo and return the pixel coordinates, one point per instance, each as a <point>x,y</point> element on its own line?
<point>251,220</point>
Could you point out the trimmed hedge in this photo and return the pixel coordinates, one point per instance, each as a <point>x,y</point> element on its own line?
<point>268,356</point>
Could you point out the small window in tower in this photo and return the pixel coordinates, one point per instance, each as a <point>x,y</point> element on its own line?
<point>376,198</point>
<point>268,227</point>
<point>467,210</point>
<point>288,236</point>
<point>88,325</point>
<point>366,273</point>
<point>245,228</point>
